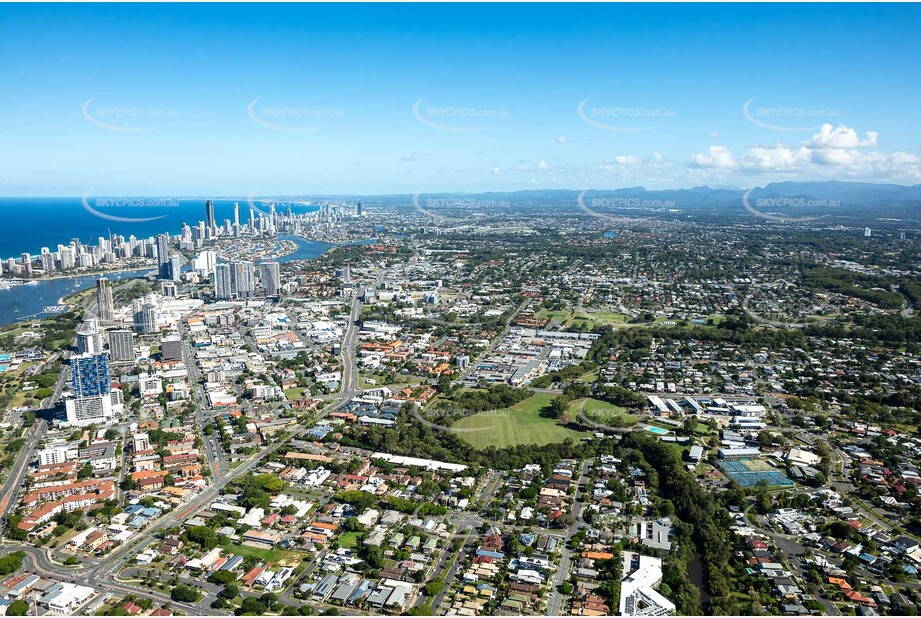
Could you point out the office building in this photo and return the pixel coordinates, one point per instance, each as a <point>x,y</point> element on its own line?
<point>169,289</point>
<point>171,348</point>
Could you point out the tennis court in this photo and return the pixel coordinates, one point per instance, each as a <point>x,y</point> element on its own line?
<point>748,473</point>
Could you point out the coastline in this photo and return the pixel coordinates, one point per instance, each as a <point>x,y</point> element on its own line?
<point>27,301</point>
<point>94,273</point>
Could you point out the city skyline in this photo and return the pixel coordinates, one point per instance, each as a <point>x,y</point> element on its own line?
<point>328,100</point>
<point>460,309</point>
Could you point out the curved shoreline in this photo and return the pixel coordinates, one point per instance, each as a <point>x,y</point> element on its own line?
<point>95,273</point>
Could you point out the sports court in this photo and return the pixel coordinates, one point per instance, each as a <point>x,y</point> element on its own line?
<point>748,473</point>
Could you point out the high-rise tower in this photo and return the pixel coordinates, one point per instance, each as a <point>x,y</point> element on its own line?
<point>105,306</point>
<point>209,216</point>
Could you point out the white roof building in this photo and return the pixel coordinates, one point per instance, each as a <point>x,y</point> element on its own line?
<point>66,598</point>
<point>638,597</point>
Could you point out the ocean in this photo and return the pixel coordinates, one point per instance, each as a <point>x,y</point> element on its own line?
<point>22,302</point>
<point>28,224</point>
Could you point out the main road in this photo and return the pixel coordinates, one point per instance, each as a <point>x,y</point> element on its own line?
<point>217,463</point>
<point>101,573</point>
<point>14,482</point>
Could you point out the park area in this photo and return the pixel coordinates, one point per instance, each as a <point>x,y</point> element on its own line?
<point>602,412</point>
<point>521,423</point>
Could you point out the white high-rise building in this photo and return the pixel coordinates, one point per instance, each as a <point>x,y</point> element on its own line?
<point>223,289</point>
<point>68,257</point>
<point>205,262</point>
<point>145,317</point>
<point>89,339</point>
<point>88,410</point>
<point>243,279</point>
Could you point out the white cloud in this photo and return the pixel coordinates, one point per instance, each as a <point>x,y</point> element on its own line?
<point>840,137</point>
<point>542,165</point>
<point>562,139</point>
<point>831,153</point>
<point>716,157</point>
<point>626,160</point>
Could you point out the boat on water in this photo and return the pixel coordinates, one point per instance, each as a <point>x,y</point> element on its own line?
<point>6,284</point>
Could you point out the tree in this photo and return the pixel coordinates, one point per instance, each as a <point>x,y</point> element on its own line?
<point>18,608</point>
<point>269,598</point>
<point>557,407</point>
<point>222,577</point>
<point>434,587</point>
<point>85,472</point>
<point>373,556</point>
<point>252,606</point>
<point>184,594</point>
<point>12,563</point>
<point>203,536</point>
<point>254,497</point>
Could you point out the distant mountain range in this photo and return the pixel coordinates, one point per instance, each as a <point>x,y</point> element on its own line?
<point>838,201</point>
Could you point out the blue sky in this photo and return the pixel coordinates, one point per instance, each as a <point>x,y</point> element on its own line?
<point>308,99</point>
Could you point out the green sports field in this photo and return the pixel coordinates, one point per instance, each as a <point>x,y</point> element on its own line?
<point>602,412</point>
<point>520,424</point>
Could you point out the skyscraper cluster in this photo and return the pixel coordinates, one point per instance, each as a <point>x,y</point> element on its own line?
<point>76,254</point>
<point>237,280</point>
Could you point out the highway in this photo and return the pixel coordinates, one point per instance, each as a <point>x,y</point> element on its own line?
<point>14,481</point>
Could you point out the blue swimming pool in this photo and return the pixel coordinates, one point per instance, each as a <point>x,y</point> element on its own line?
<point>656,430</point>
